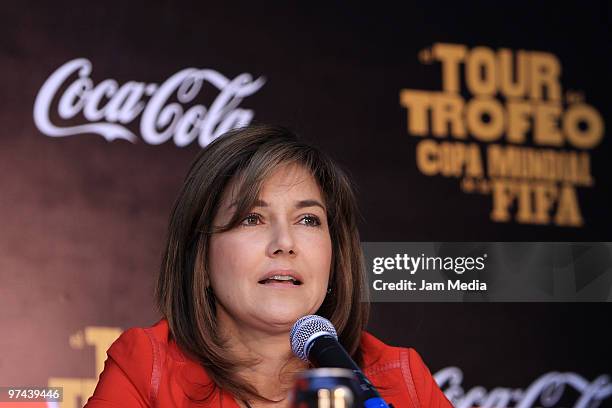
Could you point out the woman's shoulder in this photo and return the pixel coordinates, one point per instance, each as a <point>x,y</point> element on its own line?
<point>401,368</point>
<point>131,371</point>
<point>149,346</point>
<point>376,352</point>
<point>141,342</point>
<point>136,370</point>
<point>139,349</point>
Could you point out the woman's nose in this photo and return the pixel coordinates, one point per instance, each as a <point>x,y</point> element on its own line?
<point>282,240</point>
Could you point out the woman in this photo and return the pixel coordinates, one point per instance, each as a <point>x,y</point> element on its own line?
<point>263,232</point>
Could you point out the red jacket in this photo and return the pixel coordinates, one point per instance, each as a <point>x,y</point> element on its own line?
<point>144,369</point>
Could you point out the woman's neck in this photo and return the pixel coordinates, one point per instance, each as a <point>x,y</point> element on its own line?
<point>272,373</point>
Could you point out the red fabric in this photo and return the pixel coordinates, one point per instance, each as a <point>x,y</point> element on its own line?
<point>144,369</point>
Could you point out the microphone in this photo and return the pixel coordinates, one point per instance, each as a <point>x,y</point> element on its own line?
<point>314,338</point>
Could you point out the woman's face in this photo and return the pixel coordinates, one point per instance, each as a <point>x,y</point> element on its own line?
<point>274,267</point>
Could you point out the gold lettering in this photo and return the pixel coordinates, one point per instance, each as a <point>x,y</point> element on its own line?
<point>544,76</point>
<point>449,159</point>
<point>418,104</point>
<point>485,131</point>
<point>447,111</point>
<point>427,158</point>
<point>546,130</point>
<point>513,85</point>
<point>524,214</point>
<point>539,164</point>
<point>503,196</point>
<point>545,196</point>
<point>568,211</point>
<point>480,72</point>
<point>450,55</point>
<point>593,133</point>
<point>518,114</point>
<point>474,166</point>
<point>584,169</point>
<point>502,161</point>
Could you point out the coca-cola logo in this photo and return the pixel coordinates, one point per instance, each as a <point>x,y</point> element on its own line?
<point>107,107</point>
<point>546,391</point>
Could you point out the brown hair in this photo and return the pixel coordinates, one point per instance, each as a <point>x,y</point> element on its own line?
<point>247,156</point>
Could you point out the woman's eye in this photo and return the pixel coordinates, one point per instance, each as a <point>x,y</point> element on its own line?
<point>311,220</point>
<point>251,219</point>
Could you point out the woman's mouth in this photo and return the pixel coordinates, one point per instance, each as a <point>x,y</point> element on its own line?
<point>285,280</point>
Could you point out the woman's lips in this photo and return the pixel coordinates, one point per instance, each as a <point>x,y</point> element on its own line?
<point>279,284</point>
<point>282,277</point>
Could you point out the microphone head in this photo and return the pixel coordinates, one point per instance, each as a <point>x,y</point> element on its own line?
<point>305,330</point>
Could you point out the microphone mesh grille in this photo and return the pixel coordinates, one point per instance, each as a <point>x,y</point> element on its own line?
<point>304,329</point>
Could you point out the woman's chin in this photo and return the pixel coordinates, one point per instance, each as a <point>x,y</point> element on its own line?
<point>282,318</point>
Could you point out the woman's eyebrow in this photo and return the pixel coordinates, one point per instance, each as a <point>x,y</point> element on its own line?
<point>298,204</point>
<point>309,203</point>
